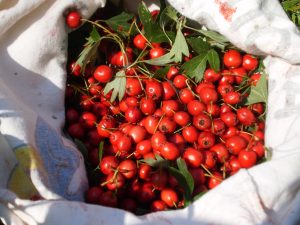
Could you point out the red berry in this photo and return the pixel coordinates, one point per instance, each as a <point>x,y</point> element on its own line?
<point>140,41</point>
<point>73,19</point>
<point>169,196</point>
<point>232,59</point>
<point>247,158</point>
<point>249,62</point>
<point>103,73</point>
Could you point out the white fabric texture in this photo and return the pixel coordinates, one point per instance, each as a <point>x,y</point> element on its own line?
<point>33,40</point>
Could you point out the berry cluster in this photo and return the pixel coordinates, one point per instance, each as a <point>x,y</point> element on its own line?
<point>135,142</point>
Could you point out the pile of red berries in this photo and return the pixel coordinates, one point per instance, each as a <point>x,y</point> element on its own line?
<point>134,143</point>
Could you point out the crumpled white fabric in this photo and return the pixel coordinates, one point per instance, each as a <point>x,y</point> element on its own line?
<point>32,68</point>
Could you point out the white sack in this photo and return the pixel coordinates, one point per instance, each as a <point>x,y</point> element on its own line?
<point>35,158</point>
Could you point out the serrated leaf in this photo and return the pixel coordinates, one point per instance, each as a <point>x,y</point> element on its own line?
<point>185,172</point>
<point>117,86</point>
<point>195,67</point>
<point>90,49</point>
<point>258,93</point>
<point>153,32</point>
<point>214,36</point>
<point>179,47</point>
<point>160,61</point>
<point>120,22</point>
<point>198,45</point>
<point>213,60</point>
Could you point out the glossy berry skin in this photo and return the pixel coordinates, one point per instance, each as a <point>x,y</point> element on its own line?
<point>208,95</point>
<point>180,81</point>
<point>137,133</point>
<point>167,125</point>
<point>182,118</point>
<point>147,106</point>
<point>249,62</point>
<point>186,95</point>
<point>169,90</point>
<point>169,196</point>
<point>115,182</point>
<point>229,118</point>
<point>190,134</point>
<point>169,151</point>
<point>154,89</point>
<point>158,139</point>
<point>239,74</point>
<point>73,19</point>
<point>151,122</point>
<point>245,116</point>
<point>140,41</point>
<point>108,164</point>
<point>215,180</point>
<point>125,143</point>
<point>128,168</point>
<point>193,157</point>
<point>75,69</point>
<point>158,205</point>
<point>232,59</point>
<point>206,139</point>
<point>144,147</point>
<point>169,107</point>
<point>103,73</point>
<point>133,87</point>
<point>247,158</point>
<point>221,151</point>
<point>133,114</point>
<point>235,144</point>
<point>232,97</point>
<point>211,76</point>
<point>195,107</point>
<point>202,121</point>
<point>172,72</point>
<point>156,52</point>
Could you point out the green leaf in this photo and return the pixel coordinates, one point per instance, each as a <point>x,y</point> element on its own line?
<point>198,45</point>
<point>198,196</point>
<point>258,93</point>
<point>94,35</point>
<point>160,61</point>
<point>100,151</point>
<point>214,36</point>
<point>120,22</point>
<point>153,32</point>
<point>287,5</point>
<point>158,162</point>
<point>185,172</point>
<point>195,67</point>
<point>183,183</point>
<point>179,47</point>
<point>118,86</point>
<point>161,73</point>
<point>90,49</point>
<point>213,60</point>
